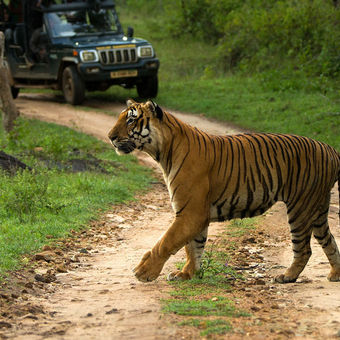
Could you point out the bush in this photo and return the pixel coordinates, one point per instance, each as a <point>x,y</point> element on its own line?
<point>305,32</point>
<point>254,35</point>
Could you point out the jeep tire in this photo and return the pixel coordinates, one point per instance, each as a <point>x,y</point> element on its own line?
<point>148,87</point>
<point>15,92</point>
<point>73,86</point>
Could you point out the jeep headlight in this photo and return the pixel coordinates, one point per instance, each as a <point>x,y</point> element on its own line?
<point>145,51</point>
<point>89,56</point>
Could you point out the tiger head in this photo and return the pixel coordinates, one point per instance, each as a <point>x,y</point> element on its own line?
<point>136,128</point>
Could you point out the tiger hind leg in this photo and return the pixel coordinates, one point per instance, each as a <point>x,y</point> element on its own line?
<point>301,232</point>
<point>323,235</point>
<point>194,251</point>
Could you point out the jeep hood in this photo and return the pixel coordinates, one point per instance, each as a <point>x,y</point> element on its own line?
<point>93,41</point>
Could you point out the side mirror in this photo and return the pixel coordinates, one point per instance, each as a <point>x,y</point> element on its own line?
<point>130,32</point>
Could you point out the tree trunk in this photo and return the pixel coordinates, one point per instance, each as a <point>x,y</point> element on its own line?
<point>10,112</point>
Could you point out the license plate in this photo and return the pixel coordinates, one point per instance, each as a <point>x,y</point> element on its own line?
<point>124,73</point>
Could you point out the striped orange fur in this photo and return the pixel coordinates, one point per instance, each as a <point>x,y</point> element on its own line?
<point>218,178</point>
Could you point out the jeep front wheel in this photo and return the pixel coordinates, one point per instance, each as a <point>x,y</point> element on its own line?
<point>73,86</point>
<point>148,87</point>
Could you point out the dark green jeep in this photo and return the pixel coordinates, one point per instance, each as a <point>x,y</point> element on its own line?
<point>74,47</point>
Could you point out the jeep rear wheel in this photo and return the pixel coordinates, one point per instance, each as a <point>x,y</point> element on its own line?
<point>15,92</point>
<point>148,87</point>
<point>73,86</point>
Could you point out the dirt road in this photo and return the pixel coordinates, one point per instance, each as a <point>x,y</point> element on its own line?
<point>98,297</point>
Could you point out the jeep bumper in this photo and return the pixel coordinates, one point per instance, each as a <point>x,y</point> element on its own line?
<point>120,73</point>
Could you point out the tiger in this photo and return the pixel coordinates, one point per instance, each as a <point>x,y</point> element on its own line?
<point>219,178</point>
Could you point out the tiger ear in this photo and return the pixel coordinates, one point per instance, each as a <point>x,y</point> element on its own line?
<point>130,102</point>
<point>155,109</point>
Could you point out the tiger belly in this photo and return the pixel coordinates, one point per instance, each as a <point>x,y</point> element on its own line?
<point>240,207</point>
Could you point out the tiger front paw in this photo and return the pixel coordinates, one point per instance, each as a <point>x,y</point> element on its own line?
<point>178,276</point>
<point>283,278</point>
<point>149,268</point>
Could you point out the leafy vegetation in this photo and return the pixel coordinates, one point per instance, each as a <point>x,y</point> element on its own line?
<point>74,178</point>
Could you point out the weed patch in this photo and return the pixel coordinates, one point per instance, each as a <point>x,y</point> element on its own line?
<point>218,306</point>
<point>208,327</point>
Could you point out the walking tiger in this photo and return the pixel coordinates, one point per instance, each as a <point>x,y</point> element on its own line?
<point>218,178</point>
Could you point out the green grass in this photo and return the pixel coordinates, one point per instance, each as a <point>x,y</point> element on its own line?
<point>212,307</point>
<point>248,103</point>
<point>240,227</point>
<point>210,327</point>
<point>53,199</point>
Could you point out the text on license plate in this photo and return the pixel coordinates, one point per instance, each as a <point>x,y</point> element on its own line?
<point>124,73</point>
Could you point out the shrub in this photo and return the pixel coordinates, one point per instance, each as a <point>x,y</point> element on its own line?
<point>254,35</point>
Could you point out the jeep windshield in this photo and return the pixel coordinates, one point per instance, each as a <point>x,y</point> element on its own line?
<point>81,22</point>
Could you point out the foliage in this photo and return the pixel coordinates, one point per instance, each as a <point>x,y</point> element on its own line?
<point>258,36</point>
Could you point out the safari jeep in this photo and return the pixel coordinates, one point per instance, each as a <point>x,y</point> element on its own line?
<point>79,46</point>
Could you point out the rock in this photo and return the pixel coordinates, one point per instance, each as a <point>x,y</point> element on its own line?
<point>46,278</point>
<point>112,311</point>
<point>44,256</point>
<point>286,332</point>
<point>4,324</point>
<point>29,285</point>
<point>115,218</point>
<point>260,282</point>
<point>61,268</point>
<point>30,316</point>
<point>4,296</point>
<point>74,258</point>
<point>249,240</point>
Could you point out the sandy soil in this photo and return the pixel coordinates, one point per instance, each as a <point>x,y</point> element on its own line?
<point>95,296</point>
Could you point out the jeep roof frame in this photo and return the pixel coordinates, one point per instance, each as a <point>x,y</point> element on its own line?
<point>74,6</point>
<point>96,5</point>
